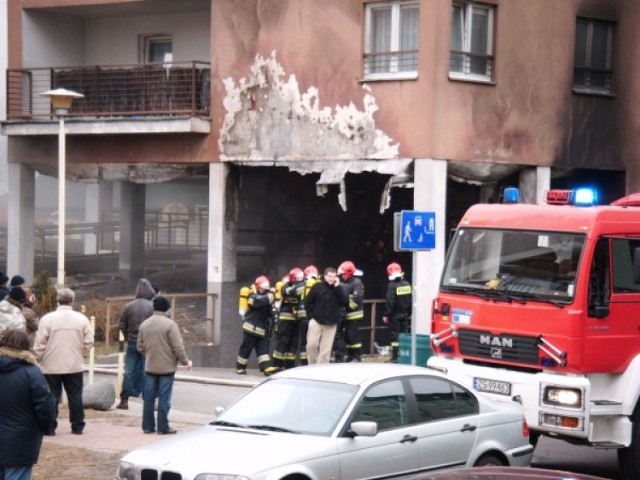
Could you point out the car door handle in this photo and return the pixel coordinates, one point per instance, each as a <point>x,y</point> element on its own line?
<point>408,438</point>
<point>468,428</point>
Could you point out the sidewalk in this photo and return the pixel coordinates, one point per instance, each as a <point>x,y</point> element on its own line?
<point>118,431</point>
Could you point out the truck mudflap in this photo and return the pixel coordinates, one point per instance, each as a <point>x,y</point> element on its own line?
<point>557,404</point>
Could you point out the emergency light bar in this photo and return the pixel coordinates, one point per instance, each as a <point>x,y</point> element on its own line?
<point>584,197</point>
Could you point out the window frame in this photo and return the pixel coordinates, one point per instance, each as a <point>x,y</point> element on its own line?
<point>394,51</point>
<point>145,47</point>
<point>466,39</point>
<point>585,86</point>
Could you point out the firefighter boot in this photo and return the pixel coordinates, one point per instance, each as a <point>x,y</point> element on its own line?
<point>289,364</point>
<point>270,371</point>
<point>394,355</point>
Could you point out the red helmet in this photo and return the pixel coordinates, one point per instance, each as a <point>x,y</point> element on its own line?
<point>347,269</point>
<point>296,274</point>
<point>394,270</point>
<point>311,272</point>
<point>262,282</point>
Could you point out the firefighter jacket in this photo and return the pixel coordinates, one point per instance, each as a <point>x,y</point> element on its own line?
<point>257,320</point>
<point>291,301</point>
<point>398,300</point>
<point>302,288</point>
<point>355,308</point>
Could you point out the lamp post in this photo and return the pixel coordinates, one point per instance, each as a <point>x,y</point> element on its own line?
<point>61,100</point>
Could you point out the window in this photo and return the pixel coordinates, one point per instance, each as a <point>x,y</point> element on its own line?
<point>472,41</point>
<point>391,40</point>
<point>156,48</point>
<point>626,273</point>
<point>438,399</point>
<point>384,403</point>
<point>592,57</point>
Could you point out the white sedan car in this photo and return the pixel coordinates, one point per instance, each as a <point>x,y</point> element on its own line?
<point>342,421</point>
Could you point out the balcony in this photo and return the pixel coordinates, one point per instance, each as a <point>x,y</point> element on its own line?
<point>142,94</point>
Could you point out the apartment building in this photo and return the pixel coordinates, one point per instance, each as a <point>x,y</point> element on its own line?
<point>304,125</point>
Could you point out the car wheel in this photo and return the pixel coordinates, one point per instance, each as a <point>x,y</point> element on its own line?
<point>629,457</point>
<point>490,461</point>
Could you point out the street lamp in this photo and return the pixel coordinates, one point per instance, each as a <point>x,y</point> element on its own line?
<point>61,100</point>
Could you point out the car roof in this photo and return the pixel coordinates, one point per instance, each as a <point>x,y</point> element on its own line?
<point>356,373</point>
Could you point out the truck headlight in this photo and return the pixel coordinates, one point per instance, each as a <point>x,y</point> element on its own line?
<point>126,471</point>
<point>561,396</point>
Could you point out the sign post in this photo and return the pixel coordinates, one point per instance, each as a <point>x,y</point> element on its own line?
<point>417,231</point>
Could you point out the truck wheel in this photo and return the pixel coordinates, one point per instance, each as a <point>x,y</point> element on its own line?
<point>629,457</point>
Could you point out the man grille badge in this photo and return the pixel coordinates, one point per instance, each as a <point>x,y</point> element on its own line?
<point>496,353</point>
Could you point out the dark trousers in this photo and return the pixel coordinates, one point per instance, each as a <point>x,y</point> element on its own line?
<point>397,325</point>
<point>133,379</point>
<point>287,343</point>
<point>261,346</point>
<point>160,386</point>
<point>303,327</point>
<point>73,384</point>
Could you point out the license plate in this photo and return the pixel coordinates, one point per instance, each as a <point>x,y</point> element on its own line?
<point>492,386</point>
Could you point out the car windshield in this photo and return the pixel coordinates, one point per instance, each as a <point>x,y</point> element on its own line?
<point>291,405</point>
<point>514,265</point>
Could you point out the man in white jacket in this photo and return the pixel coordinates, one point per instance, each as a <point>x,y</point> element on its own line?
<point>63,339</point>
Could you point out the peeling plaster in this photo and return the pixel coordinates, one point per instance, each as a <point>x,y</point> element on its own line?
<point>268,118</point>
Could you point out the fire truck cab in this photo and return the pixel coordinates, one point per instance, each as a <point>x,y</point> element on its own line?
<point>541,304</point>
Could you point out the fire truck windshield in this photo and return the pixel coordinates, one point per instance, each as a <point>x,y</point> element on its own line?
<point>514,264</point>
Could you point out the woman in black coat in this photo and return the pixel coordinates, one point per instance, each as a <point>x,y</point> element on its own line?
<point>27,408</point>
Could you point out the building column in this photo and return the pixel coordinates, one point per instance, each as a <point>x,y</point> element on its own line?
<point>98,199</point>
<point>427,265</point>
<point>534,184</point>
<point>21,221</point>
<point>221,251</point>
<point>132,224</point>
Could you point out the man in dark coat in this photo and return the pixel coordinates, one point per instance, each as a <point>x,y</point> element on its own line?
<point>27,409</point>
<point>325,305</point>
<point>135,312</point>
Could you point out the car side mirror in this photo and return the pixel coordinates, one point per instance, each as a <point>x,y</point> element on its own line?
<point>363,429</point>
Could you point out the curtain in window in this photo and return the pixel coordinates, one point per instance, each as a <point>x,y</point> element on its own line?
<point>457,28</point>
<point>408,38</point>
<point>380,38</point>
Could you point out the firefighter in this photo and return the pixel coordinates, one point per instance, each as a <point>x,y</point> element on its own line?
<point>397,308</point>
<point>350,276</point>
<point>310,279</point>
<point>255,328</point>
<point>284,355</point>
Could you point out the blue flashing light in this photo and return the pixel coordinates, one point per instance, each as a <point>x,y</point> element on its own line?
<point>585,197</point>
<point>510,195</point>
<point>546,362</point>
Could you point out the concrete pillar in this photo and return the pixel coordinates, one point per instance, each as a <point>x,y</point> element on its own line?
<point>427,266</point>
<point>221,252</point>
<point>98,199</point>
<point>132,223</point>
<point>21,221</point>
<point>534,184</point>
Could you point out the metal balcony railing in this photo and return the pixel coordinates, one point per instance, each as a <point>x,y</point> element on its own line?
<point>155,89</point>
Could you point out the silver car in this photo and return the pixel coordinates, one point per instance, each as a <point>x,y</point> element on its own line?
<point>342,421</point>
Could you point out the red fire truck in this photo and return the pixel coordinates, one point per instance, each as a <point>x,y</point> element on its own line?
<point>541,304</point>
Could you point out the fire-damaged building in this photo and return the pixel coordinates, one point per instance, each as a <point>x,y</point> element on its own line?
<point>302,126</point>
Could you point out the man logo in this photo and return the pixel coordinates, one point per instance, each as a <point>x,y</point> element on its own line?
<point>496,353</point>
<point>496,341</point>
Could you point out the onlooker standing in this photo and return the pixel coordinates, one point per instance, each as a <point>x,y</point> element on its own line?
<point>27,408</point>
<point>11,316</point>
<point>4,290</point>
<point>63,339</point>
<point>160,342</point>
<point>16,281</point>
<point>135,312</point>
<point>397,307</point>
<point>325,305</point>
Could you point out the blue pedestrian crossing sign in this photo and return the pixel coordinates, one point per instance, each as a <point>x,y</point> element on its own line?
<point>417,230</point>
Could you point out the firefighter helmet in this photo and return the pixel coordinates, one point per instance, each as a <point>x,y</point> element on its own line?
<point>394,270</point>
<point>347,269</point>
<point>296,274</point>
<point>311,272</point>
<point>262,282</point>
